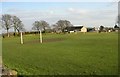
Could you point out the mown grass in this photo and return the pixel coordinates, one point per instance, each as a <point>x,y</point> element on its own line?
<point>76,54</point>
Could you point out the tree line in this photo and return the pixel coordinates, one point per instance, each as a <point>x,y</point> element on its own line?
<point>9,21</point>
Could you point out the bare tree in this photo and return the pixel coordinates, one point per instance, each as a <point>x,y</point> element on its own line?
<point>44,25</point>
<point>17,24</point>
<point>62,24</point>
<point>15,21</point>
<point>55,27</point>
<point>6,22</point>
<point>20,27</point>
<point>39,25</point>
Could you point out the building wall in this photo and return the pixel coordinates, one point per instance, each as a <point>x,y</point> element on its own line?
<point>83,29</point>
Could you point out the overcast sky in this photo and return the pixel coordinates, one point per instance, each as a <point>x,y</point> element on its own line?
<point>59,0</point>
<point>89,14</point>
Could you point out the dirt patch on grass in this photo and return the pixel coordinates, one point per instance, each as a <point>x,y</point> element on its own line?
<point>6,72</point>
<point>45,40</point>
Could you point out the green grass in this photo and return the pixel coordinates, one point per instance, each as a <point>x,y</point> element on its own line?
<point>76,54</point>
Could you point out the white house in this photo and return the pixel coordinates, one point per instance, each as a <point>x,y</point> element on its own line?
<point>83,29</point>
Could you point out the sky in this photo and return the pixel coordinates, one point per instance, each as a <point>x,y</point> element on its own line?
<point>89,14</point>
<point>59,0</point>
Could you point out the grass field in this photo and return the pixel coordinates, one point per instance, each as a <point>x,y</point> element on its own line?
<point>69,54</point>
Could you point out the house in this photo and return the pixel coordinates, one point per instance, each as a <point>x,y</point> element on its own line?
<point>83,29</point>
<point>75,28</point>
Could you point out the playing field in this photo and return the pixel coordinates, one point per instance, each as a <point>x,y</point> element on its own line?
<point>63,54</point>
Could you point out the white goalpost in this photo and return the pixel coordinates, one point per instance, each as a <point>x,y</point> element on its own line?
<point>21,38</point>
<point>40,37</point>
